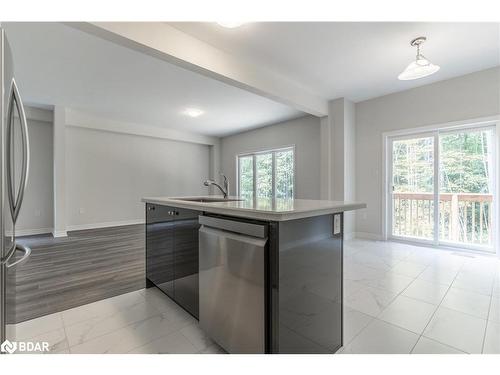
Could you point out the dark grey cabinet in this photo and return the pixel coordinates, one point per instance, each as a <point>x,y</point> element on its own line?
<point>172,253</point>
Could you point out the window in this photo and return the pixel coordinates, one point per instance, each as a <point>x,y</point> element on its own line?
<point>442,187</point>
<point>266,174</point>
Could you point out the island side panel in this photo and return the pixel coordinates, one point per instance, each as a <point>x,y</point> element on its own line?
<point>310,285</point>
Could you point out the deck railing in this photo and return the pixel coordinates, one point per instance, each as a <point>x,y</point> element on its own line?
<point>463,217</point>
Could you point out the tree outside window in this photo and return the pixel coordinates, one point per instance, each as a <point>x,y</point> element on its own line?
<point>267,174</point>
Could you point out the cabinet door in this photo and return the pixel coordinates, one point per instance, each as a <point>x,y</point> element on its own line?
<point>160,247</point>
<point>186,259</point>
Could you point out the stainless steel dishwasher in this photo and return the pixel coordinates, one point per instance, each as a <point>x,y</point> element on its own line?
<point>232,283</point>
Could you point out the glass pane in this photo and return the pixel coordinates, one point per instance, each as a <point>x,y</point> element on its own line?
<point>284,174</point>
<point>413,188</point>
<point>466,199</point>
<point>246,177</point>
<point>264,171</point>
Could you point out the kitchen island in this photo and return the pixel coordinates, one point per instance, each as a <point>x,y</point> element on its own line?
<point>261,275</point>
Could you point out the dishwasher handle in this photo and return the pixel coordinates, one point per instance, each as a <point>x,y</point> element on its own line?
<point>239,227</point>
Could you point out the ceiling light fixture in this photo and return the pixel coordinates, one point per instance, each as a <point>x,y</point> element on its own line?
<point>230,24</point>
<point>193,112</point>
<point>421,67</point>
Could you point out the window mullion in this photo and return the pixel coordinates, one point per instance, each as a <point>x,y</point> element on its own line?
<point>273,172</point>
<point>254,162</point>
<point>238,186</point>
<point>437,187</point>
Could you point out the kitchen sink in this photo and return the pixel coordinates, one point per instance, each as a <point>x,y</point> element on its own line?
<point>207,199</point>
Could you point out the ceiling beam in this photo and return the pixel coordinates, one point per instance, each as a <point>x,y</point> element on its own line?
<point>165,42</point>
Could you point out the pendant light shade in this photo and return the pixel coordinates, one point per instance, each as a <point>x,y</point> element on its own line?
<point>419,68</point>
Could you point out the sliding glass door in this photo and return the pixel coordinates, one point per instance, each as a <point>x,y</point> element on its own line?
<point>457,208</point>
<point>466,188</point>
<point>413,188</point>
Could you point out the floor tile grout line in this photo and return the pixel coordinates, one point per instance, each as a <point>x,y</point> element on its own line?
<point>116,330</point>
<point>177,330</point>
<point>130,324</point>
<point>385,272</point>
<point>487,317</point>
<point>191,342</point>
<point>439,305</point>
<point>401,294</point>
<point>437,308</point>
<point>65,333</point>
<point>106,317</point>
<point>377,317</point>
<point>95,302</point>
<point>29,337</point>
<point>117,312</point>
<point>441,343</point>
<point>361,330</point>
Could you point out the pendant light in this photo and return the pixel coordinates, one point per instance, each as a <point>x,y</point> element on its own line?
<point>421,67</point>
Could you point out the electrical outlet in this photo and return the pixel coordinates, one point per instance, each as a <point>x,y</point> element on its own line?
<point>81,210</point>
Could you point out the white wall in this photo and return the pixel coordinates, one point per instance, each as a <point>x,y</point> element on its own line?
<point>108,173</point>
<point>467,97</point>
<point>106,168</point>
<point>349,166</point>
<point>36,215</point>
<point>338,137</point>
<point>304,133</point>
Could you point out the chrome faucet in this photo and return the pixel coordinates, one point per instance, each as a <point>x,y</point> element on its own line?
<point>225,190</point>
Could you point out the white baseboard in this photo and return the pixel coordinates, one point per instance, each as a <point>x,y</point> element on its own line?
<point>349,236</point>
<point>104,225</point>
<point>30,232</point>
<point>369,236</point>
<point>64,233</point>
<point>59,233</point>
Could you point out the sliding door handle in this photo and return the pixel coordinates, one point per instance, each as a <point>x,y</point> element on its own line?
<point>16,198</point>
<point>27,252</point>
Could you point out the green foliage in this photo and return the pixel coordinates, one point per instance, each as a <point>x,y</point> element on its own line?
<point>465,167</point>
<point>412,165</point>
<point>464,159</point>
<point>284,175</point>
<point>464,162</point>
<point>246,177</point>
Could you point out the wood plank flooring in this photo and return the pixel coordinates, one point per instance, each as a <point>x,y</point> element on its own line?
<point>84,267</point>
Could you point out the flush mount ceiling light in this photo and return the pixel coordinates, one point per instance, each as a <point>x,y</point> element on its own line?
<point>230,24</point>
<point>193,112</point>
<point>421,67</point>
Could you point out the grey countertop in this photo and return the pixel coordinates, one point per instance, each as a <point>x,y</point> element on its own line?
<point>261,208</point>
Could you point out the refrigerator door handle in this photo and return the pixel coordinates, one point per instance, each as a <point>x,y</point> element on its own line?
<point>15,200</point>
<point>27,253</point>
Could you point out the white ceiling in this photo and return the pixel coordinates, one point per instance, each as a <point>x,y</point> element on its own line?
<point>355,60</point>
<point>57,64</point>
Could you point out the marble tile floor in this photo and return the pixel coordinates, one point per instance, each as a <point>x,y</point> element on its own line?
<point>419,300</point>
<point>398,298</point>
<point>141,322</point>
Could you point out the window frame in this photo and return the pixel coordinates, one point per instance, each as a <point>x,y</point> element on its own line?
<point>436,131</point>
<point>272,151</point>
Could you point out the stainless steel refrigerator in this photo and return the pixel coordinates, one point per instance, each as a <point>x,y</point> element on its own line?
<point>14,162</point>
